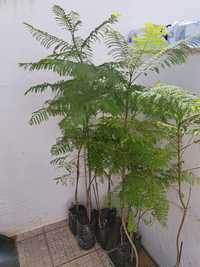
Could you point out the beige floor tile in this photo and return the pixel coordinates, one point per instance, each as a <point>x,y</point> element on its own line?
<point>63,246</point>
<point>29,234</point>
<point>104,258</point>
<point>90,260</point>
<point>33,252</point>
<point>55,246</point>
<point>55,226</point>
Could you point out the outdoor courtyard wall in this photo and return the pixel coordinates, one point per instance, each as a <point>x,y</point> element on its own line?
<point>29,196</point>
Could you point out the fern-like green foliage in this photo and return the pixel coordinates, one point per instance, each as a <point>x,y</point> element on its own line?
<point>149,51</point>
<point>178,112</point>
<point>182,114</point>
<point>76,99</point>
<point>182,106</point>
<point>122,128</point>
<point>135,154</point>
<point>148,199</point>
<point>151,39</point>
<point>47,40</point>
<point>133,159</point>
<point>69,59</point>
<point>79,47</point>
<point>116,146</point>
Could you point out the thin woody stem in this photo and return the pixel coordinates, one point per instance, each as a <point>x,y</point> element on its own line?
<point>184,204</point>
<point>179,171</point>
<point>77,176</point>
<point>195,168</point>
<point>131,242</point>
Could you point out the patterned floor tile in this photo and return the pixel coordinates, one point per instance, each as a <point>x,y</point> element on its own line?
<point>33,252</point>
<point>104,258</point>
<point>55,246</point>
<point>63,246</point>
<point>29,234</point>
<point>55,226</point>
<point>90,260</point>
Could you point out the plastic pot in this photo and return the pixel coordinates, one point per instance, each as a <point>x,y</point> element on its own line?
<point>108,228</point>
<point>108,236</point>
<point>75,212</point>
<point>102,236</point>
<point>122,257</point>
<point>86,234</point>
<point>137,239</point>
<point>104,219</point>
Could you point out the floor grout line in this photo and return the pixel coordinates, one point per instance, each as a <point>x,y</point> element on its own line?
<point>78,257</point>
<point>36,235</point>
<point>56,228</point>
<point>28,238</point>
<point>101,260</point>
<point>47,244</point>
<point>43,233</point>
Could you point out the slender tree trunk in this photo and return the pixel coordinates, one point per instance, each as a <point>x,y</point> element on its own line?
<point>184,204</point>
<point>178,241</point>
<point>109,191</point>
<point>138,221</point>
<point>87,165</point>
<point>131,242</point>
<point>179,171</point>
<point>89,208</point>
<point>77,177</point>
<point>96,194</point>
<point>86,182</point>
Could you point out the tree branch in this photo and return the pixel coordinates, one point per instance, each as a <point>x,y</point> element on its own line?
<point>186,146</point>
<point>131,242</point>
<point>195,168</point>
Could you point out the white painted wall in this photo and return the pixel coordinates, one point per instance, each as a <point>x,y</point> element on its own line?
<point>28,196</point>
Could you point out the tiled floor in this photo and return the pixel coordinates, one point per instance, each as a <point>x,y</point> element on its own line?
<point>55,246</point>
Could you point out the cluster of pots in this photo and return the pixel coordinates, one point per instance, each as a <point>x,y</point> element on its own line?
<point>105,228</point>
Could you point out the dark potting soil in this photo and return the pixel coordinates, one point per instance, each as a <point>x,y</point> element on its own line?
<point>8,253</point>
